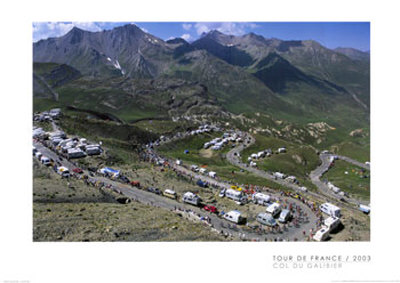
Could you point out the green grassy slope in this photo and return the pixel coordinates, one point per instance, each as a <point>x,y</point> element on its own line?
<point>355,183</point>
<point>299,160</point>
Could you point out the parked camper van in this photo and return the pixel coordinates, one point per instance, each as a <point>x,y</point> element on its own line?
<point>284,216</point>
<point>203,171</point>
<point>331,223</point>
<point>330,209</point>
<point>63,171</point>
<point>194,168</point>
<point>169,194</point>
<point>259,198</point>
<point>266,219</point>
<point>93,149</point>
<point>75,153</point>
<point>235,195</point>
<point>45,160</point>
<point>279,175</point>
<point>234,216</point>
<point>282,150</point>
<point>38,155</point>
<point>274,209</point>
<point>364,208</point>
<point>191,198</point>
<point>212,174</point>
<point>321,235</point>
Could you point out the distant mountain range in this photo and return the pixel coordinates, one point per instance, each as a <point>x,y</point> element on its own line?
<point>293,80</point>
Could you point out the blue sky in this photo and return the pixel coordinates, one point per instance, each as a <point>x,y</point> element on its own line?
<point>329,34</point>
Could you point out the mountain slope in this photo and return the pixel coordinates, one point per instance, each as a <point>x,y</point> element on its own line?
<point>300,81</point>
<point>125,50</point>
<point>309,57</point>
<point>353,53</point>
<point>48,76</point>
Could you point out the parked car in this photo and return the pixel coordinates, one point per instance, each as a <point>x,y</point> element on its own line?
<point>124,179</point>
<point>92,169</point>
<point>78,170</point>
<point>154,190</point>
<point>222,193</point>
<point>135,184</point>
<point>210,208</point>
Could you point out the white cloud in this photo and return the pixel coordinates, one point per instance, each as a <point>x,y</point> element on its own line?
<point>186,36</point>
<point>224,27</point>
<point>187,26</point>
<point>43,30</point>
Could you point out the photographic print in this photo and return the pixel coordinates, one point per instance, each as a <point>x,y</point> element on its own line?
<point>201,131</point>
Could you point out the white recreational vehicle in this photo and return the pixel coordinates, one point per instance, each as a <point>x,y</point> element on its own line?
<point>234,216</point>
<point>63,171</point>
<point>254,156</point>
<point>279,175</point>
<point>266,219</point>
<point>364,208</point>
<point>260,198</point>
<point>75,153</point>
<point>261,154</point>
<point>93,149</point>
<point>284,216</point>
<point>291,179</point>
<point>274,209</point>
<point>38,155</point>
<point>330,209</point>
<point>203,171</point>
<point>321,235</point>
<point>60,134</point>
<point>212,174</point>
<point>45,160</point>
<point>191,198</point>
<point>331,223</point>
<point>235,195</point>
<point>194,168</point>
<point>282,150</point>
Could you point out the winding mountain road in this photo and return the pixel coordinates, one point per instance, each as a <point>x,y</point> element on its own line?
<point>233,156</point>
<point>316,174</point>
<point>218,223</point>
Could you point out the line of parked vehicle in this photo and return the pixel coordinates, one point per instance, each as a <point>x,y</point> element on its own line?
<point>229,136</point>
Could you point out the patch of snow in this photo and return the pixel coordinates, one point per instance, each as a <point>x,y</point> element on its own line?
<point>117,65</point>
<point>109,59</point>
